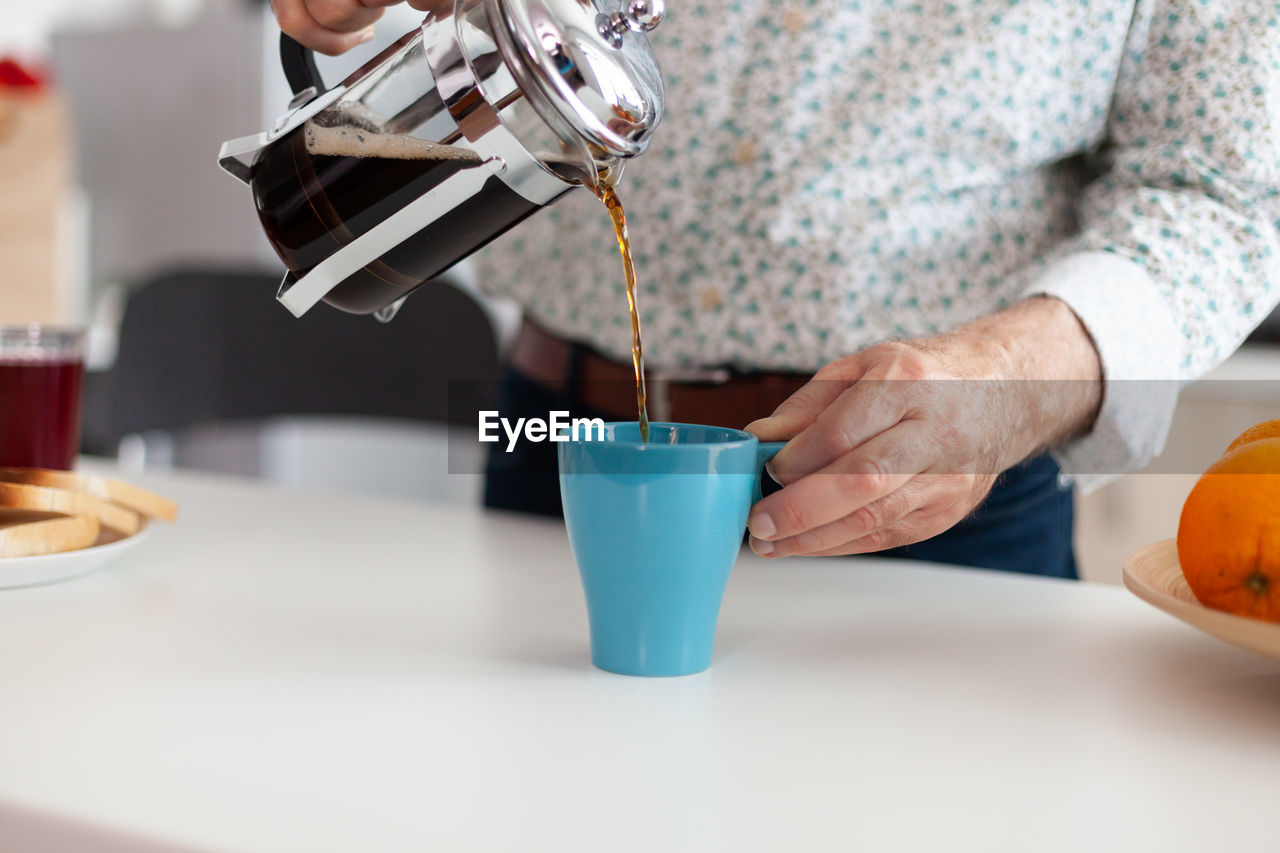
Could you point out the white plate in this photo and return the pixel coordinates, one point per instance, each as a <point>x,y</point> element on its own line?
<point>1153,574</point>
<point>18,572</point>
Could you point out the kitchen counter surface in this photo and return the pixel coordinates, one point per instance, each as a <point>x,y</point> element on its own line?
<point>288,671</point>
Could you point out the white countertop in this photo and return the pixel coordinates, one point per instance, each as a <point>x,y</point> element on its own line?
<point>300,672</point>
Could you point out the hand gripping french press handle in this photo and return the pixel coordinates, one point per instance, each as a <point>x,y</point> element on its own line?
<point>639,16</point>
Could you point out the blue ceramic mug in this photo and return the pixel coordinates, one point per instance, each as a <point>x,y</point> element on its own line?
<point>655,528</point>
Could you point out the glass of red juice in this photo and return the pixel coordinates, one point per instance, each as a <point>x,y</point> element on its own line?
<point>41,375</point>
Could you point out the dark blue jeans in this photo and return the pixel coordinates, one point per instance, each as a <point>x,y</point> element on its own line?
<point>1025,524</point>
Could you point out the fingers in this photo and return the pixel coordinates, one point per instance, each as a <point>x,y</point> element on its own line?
<point>797,411</point>
<point>343,16</point>
<point>881,513</point>
<point>902,517</point>
<point>875,470</point>
<point>859,413</point>
<point>329,26</point>
<point>801,409</point>
<point>940,500</point>
<point>915,526</point>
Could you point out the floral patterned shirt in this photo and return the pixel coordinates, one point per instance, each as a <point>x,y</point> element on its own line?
<point>833,173</point>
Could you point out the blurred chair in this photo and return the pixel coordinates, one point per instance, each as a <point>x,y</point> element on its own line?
<point>1268,331</point>
<point>212,373</point>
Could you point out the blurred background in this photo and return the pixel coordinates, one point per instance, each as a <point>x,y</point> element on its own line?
<point>114,214</point>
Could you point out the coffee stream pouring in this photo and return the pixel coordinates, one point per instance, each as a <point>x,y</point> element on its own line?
<point>489,112</point>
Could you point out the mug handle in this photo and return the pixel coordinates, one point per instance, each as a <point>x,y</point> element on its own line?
<point>765,451</point>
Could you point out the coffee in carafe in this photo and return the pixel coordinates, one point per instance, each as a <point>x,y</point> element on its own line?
<point>325,184</point>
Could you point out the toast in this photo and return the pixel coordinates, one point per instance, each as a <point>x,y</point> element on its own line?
<point>144,503</point>
<point>28,534</point>
<point>44,499</point>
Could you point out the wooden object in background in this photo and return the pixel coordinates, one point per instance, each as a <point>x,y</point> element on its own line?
<point>35,180</point>
<point>1153,574</point>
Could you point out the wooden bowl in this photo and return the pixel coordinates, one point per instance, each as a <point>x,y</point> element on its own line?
<point>1153,574</point>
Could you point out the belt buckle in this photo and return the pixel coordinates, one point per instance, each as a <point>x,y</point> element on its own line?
<point>658,385</point>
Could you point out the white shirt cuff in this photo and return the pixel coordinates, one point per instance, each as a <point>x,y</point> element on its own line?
<point>1139,345</point>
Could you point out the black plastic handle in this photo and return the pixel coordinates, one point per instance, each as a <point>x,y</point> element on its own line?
<point>299,65</point>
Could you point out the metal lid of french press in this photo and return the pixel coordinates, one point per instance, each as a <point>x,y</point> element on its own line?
<point>590,62</point>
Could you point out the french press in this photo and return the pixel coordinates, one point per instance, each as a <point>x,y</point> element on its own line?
<point>489,111</point>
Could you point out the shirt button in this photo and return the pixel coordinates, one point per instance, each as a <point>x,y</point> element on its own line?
<point>710,299</point>
<point>794,21</point>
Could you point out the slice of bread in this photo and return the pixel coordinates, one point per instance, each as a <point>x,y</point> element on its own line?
<point>27,534</point>
<point>139,500</point>
<point>45,499</point>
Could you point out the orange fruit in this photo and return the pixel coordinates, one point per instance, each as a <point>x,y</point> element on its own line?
<point>1266,429</point>
<point>1229,532</point>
